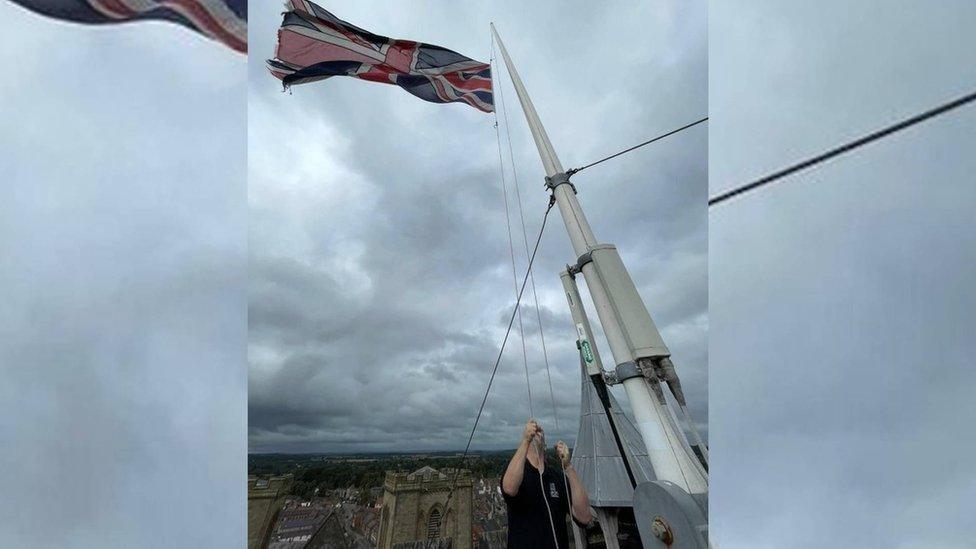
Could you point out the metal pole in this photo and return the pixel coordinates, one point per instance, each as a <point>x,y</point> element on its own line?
<point>592,365</point>
<point>584,333</point>
<point>579,229</point>
<point>633,338</point>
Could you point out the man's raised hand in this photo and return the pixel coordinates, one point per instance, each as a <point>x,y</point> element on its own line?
<point>563,452</point>
<point>531,430</point>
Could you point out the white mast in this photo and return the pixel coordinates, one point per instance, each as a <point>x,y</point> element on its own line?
<point>639,352</point>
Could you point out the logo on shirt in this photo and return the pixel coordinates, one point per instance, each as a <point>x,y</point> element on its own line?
<point>552,490</point>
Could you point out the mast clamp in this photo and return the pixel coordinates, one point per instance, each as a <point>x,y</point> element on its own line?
<point>628,370</point>
<point>583,259</point>
<point>558,179</point>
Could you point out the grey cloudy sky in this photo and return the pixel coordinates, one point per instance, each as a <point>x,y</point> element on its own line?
<point>122,333</point>
<point>841,299</point>
<point>380,278</point>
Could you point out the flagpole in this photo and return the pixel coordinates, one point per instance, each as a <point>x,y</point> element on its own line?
<point>635,343</point>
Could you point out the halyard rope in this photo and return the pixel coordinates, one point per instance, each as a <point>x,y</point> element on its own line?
<point>525,241</point>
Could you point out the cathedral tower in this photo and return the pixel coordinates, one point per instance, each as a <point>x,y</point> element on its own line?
<point>414,515</point>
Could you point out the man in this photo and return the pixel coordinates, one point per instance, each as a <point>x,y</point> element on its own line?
<point>535,495</point>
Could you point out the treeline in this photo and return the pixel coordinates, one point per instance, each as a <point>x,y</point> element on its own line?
<point>365,472</point>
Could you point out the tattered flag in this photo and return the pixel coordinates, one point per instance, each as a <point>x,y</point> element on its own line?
<point>313,45</point>
<point>221,20</point>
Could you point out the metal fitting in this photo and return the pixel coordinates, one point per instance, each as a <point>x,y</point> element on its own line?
<point>627,370</point>
<point>559,179</point>
<point>583,259</point>
<point>662,530</point>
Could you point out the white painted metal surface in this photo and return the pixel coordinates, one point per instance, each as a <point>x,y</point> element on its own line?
<point>584,332</point>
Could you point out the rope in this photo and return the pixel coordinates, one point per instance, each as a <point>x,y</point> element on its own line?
<point>569,496</point>
<point>847,147</point>
<point>498,359</point>
<point>648,142</point>
<point>694,432</point>
<point>531,277</point>
<point>525,242</point>
<point>511,245</point>
<point>552,523</point>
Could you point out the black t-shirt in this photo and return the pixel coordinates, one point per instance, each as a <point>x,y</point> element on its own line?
<point>528,519</point>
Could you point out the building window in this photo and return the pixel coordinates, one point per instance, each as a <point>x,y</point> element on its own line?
<point>434,525</point>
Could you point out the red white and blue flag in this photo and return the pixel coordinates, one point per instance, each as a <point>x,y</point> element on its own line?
<point>221,20</point>
<point>313,45</point>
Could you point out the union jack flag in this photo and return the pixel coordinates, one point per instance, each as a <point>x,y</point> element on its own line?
<point>221,20</point>
<point>313,45</point>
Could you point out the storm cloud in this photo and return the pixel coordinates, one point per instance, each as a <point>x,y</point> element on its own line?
<point>380,274</point>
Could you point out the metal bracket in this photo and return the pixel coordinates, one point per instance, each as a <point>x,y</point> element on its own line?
<point>559,179</point>
<point>583,259</point>
<point>610,378</point>
<point>627,370</point>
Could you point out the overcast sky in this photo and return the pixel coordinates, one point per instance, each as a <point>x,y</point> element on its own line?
<point>380,276</point>
<point>122,333</point>
<point>841,299</point>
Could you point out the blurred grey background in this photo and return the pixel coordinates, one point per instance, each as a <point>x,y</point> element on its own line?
<point>840,299</point>
<point>122,282</point>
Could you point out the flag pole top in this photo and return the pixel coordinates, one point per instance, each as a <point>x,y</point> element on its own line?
<point>549,159</point>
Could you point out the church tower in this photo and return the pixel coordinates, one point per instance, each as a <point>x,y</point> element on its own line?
<point>414,515</point>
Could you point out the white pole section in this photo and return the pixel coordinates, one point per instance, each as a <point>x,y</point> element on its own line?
<point>579,229</point>
<point>584,334</point>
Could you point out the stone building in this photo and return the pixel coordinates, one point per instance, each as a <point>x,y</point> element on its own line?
<point>414,513</point>
<point>265,497</point>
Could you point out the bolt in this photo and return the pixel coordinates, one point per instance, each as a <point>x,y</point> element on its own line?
<point>661,530</point>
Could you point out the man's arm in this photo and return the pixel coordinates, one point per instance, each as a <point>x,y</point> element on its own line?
<point>581,501</point>
<point>516,467</point>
